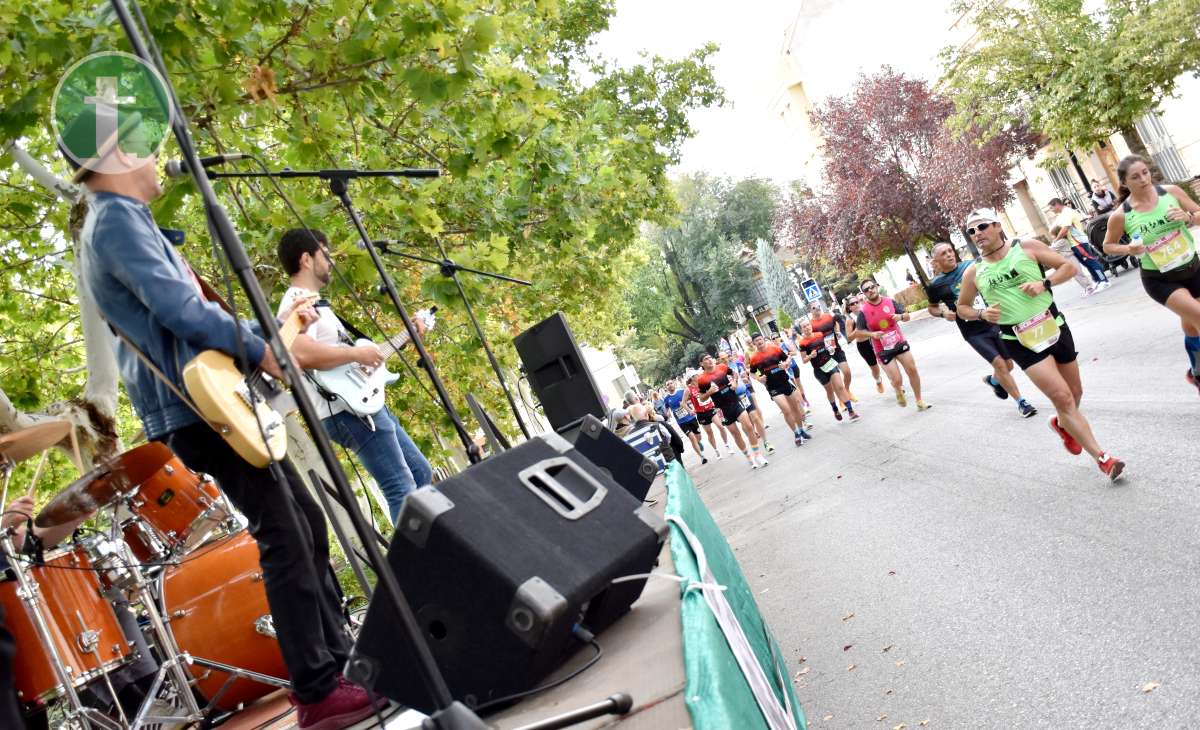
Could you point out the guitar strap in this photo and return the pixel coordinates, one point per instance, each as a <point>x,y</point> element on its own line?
<point>354,331</point>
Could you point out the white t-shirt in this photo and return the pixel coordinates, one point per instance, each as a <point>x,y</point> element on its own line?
<point>1067,219</point>
<point>327,330</point>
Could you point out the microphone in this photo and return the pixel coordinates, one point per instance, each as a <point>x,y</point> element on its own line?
<point>179,168</point>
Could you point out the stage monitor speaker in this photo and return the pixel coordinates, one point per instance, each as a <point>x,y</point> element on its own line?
<point>625,464</point>
<point>558,373</point>
<point>500,563</point>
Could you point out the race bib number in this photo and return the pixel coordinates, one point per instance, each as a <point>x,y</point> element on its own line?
<point>830,343</point>
<point>890,339</point>
<point>745,401</point>
<point>680,412</point>
<point>829,366</point>
<point>1038,333</point>
<point>1171,251</point>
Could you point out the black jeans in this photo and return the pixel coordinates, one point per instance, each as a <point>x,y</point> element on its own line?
<point>293,548</point>
<point>10,715</point>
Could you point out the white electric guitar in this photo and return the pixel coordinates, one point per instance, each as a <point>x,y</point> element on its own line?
<point>359,387</point>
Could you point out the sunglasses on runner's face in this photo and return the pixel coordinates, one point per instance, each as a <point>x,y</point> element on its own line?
<point>981,227</point>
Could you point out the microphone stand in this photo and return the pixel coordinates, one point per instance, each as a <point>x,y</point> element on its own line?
<point>451,715</point>
<point>450,269</point>
<point>338,185</point>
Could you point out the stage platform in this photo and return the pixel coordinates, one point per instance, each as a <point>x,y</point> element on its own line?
<point>643,657</point>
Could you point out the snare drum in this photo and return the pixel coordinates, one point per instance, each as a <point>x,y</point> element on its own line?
<point>82,623</point>
<point>174,509</point>
<point>216,608</point>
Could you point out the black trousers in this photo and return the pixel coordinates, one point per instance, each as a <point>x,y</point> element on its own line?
<point>293,547</point>
<point>10,714</point>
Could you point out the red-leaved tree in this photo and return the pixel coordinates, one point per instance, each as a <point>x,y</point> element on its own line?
<point>895,175</point>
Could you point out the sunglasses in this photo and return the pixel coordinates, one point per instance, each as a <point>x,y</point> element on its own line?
<point>981,227</point>
<point>869,287</point>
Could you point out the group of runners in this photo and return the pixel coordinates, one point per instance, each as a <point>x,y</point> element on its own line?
<point>1003,305</point>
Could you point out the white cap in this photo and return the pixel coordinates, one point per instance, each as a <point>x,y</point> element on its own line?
<point>981,215</point>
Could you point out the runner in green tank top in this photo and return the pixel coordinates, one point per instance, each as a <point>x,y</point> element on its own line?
<point>1011,279</point>
<point>1156,219</point>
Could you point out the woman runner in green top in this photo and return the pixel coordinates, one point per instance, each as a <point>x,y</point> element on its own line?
<point>1156,219</point>
<point>1010,277</point>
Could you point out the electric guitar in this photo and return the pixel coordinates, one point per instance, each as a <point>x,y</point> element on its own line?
<point>223,396</point>
<point>359,387</point>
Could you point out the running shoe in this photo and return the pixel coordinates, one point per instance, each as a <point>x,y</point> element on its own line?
<point>879,386</point>
<point>1191,378</point>
<point>762,460</point>
<point>1089,291</point>
<point>923,406</point>
<point>1111,465</point>
<point>991,382</point>
<point>837,415</point>
<point>901,399</point>
<point>799,440</point>
<point>853,397</point>
<point>805,433</point>
<point>1025,409</point>
<point>719,454</point>
<point>854,416</point>
<point>703,459</point>
<point>1069,442</point>
<point>1104,285</point>
<point>769,447</point>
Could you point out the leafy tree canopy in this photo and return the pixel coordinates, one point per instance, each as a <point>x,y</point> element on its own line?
<point>554,159</point>
<point>1076,72</point>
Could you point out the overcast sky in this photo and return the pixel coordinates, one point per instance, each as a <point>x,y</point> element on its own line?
<point>838,40</point>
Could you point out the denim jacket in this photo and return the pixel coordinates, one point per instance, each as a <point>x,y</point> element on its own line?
<point>143,288</point>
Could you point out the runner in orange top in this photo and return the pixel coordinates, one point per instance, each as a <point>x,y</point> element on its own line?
<point>818,349</point>
<point>769,364</point>
<point>718,382</point>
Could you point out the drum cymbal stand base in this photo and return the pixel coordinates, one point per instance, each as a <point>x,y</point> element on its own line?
<point>235,673</point>
<point>172,658</point>
<point>31,596</point>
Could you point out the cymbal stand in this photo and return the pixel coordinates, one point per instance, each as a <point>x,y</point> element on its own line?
<point>30,595</point>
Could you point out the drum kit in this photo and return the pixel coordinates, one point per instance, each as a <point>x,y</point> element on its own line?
<point>173,549</point>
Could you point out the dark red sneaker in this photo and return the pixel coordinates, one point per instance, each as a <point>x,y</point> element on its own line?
<point>1069,442</point>
<point>1111,466</point>
<point>346,705</point>
<point>1193,379</point>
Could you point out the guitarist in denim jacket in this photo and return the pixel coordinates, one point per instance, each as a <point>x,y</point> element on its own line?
<point>379,441</point>
<point>147,291</point>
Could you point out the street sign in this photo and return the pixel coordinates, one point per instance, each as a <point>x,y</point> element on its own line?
<point>812,290</point>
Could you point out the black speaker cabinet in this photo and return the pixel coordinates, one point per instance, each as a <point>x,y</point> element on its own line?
<point>628,466</point>
<point>499,563</point>
<point>558,373</point>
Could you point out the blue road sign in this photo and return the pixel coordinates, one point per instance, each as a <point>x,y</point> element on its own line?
<point>812,290</point>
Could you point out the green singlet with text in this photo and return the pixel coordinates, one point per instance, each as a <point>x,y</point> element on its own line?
<point>1169,243</point>
<point>1000,283</point>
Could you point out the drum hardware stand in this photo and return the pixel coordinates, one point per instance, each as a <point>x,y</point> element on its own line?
<point>30,595</point>
<point>617,704</point>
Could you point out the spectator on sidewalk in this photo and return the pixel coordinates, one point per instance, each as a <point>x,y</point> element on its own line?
<point>1068,224</point>
<point>1103,199</point>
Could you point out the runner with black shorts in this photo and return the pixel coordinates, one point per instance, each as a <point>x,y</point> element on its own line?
<point>1156,219</point>
<point>879,321</point>
<point>825,325</point>
<point>865,349</point>
<point>1011,279</point>
<point>745,394</point>
<point>678,404</point>
<point>786,342</point>
<point>705,410</point>
<point>819,350</point>
<point>769,363</point>
<point>983,337</point>
<point>718,382</point>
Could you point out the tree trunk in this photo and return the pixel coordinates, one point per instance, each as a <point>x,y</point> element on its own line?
<point>1134,142</point>
<point>917,267</point>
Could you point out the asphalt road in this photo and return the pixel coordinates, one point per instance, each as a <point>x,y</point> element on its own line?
<point>958,566</point>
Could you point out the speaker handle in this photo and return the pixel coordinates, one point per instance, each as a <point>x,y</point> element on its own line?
<point>542,479</point>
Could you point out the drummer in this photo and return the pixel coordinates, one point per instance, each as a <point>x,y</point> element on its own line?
<point>129,682</point>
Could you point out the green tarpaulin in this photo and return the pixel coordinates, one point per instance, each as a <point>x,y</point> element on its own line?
<point>718,695</point>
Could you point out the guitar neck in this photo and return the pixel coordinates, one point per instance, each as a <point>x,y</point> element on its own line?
<point>291,326</point>
<point>394,344</point>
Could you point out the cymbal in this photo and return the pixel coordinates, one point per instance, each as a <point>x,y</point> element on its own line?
<point>22,444</point>
<point>101,486</point>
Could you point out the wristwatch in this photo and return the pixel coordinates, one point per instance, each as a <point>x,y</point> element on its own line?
<point>1046,284</point>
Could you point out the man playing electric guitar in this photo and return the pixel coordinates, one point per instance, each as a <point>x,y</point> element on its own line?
<point>147,291</point>
<point>378,439</point>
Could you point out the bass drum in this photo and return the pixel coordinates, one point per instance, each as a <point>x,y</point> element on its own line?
<point>216,607</point>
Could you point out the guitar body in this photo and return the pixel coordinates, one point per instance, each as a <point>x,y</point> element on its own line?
<point>359,388</point>
<point>220,393</point>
